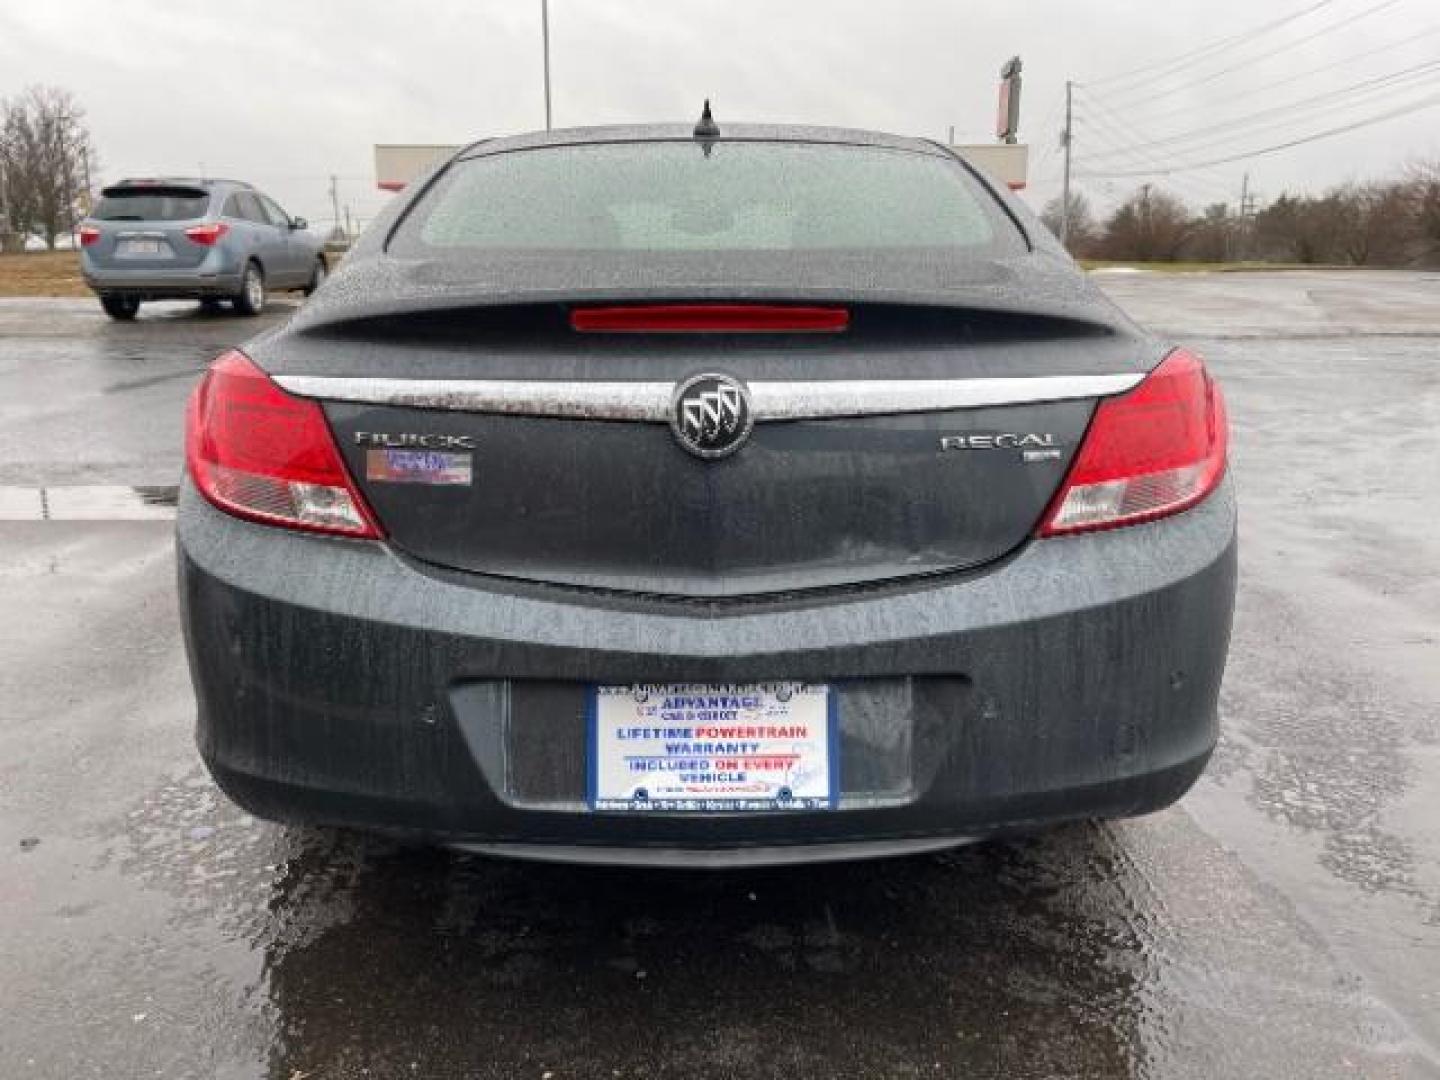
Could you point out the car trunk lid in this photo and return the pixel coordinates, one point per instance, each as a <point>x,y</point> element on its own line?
<point>497,439</point>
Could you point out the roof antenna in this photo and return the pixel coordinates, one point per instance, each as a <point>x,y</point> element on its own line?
<point>707,128</point>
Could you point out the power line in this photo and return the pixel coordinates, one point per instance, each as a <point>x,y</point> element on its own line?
<point>1202,188</point>
<point>1195,196</point>
<point>1194,55</point>
<point>1199,183</point>
<point>1296,77</point>
<point>1146,150</point>
<point>1415,106</point>
<point>1191,191</point>
<point>1127,132</point>
<point>1365,88</point>
<point>1284,124</point>
<point>1374,9</point>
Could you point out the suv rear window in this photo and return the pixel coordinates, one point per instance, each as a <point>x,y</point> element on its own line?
<point>674,196</point>
<point>152,204</point>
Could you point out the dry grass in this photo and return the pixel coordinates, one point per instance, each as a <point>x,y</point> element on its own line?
<point>42,273</point>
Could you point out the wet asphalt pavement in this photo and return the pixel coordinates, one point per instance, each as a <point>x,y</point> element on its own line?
<point>1283,921</point>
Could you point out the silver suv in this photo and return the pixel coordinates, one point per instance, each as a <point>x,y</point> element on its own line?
<point>186,239</point>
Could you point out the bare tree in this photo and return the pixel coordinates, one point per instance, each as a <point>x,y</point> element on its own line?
<point>46,162</point>
<point>1371,222</point>
<point>1422,184</point>
<point>1081,237</point>
<point>1150,226</point>
<point>1362,224</point>
<point>1295,228</point>
<point>1215,235</point>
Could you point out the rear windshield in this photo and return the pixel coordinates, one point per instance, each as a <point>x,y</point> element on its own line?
<point>673,196</point>
<point>152,204</point>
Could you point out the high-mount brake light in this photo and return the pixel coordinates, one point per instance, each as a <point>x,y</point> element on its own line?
<point>208,233</point>
<point>710,319</point>
<point>89,234</point>
<point>262,454</point>
<point>1150,453</point>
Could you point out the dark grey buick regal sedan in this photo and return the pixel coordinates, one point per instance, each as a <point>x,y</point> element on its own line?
<point>706,497</point>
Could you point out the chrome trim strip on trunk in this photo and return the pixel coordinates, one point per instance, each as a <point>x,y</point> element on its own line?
<point>874,397</point>
<point>568,400</point>
<point>651,401</point>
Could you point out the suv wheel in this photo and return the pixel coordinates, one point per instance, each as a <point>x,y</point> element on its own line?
<point>120,308</point>
<point>251,297</point>
<point>317,277</point>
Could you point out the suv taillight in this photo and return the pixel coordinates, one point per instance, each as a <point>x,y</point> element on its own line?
<point>207,234</point>
<point>259,453</point>
<point>88,235</point>
<point>1152,452</point>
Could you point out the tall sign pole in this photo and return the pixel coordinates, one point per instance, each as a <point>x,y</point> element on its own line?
<point>1007,121</point>
<point>1065,141</point>
<point>545,35</point>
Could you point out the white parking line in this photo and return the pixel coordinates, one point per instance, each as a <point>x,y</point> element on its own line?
<point>89,502</point>
<point>21,504</point>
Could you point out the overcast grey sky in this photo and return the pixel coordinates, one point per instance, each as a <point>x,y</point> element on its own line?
<point>286,93</point>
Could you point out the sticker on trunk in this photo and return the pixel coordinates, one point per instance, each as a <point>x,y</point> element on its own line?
<point>713,748</point>
<point>390,466</point>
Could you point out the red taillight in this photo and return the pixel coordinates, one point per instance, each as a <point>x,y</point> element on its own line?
<point>88,235</point>
<point>259,453</point>
<point>208,233</point>
<point>710,319</point>
<point>1155,451</point>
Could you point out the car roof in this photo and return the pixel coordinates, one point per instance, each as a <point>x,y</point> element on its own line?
<point>615,133</point>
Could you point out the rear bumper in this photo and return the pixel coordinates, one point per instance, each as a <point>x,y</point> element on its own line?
<point>211,278</point>
<point>340,683</point>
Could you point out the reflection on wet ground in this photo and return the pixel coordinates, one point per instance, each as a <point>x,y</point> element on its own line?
<point>1095,951</point>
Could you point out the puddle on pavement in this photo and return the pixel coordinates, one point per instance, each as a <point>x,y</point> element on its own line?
<point>1058,955</point>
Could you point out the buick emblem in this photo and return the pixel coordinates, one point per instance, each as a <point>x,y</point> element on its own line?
<point>710,415</point>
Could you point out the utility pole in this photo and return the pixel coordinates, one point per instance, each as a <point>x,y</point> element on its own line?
<point>1065,141</point>
<point>334,203</point>
<point>545,37</point>
<point>1244,201</point>
<point>4,195</point>
<point>1247,214</point>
